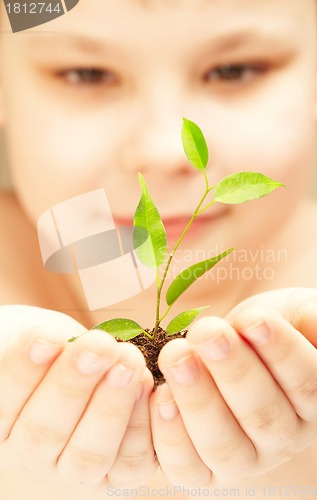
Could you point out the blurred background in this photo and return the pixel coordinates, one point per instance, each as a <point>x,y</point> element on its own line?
<point>5,182</point>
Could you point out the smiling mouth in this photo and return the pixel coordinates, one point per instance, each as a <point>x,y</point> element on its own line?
<point>175,226</point>
<point>178,223</point>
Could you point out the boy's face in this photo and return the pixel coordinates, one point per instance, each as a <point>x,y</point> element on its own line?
<point>70,131</point>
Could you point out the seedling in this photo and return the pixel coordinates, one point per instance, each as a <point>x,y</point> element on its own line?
<point>150,243</point>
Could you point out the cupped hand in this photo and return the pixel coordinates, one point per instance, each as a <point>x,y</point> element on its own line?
<point>241,392</point>
<point>75,413</point>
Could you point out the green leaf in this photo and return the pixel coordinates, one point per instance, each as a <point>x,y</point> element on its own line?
<point>194,144</point>
<point>149,235</point>
<point>244,186</point>
<point>182,320</point>
<point>122,328</point>
<point>188,276</point>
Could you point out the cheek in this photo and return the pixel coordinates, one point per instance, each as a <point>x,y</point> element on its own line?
<point>275,138</point>
<point>272,135</point>
<point>286,156</point>
<point>53,160</point>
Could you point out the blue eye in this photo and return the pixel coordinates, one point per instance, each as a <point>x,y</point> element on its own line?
<point>228,73</point>
<point>88,76</point>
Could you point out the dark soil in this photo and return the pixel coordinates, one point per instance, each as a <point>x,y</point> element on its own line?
<point>151,350</point>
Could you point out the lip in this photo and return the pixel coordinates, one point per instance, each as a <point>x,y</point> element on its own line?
<point>175,225</point>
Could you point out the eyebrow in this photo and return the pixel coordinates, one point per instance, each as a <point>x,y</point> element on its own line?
<point>242,38</point>
<point>79,42</point>
<point>219,43</point>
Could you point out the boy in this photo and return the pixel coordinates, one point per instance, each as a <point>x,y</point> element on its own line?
<point>87,102</point>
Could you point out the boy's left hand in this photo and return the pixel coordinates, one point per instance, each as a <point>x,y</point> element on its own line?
<point>238,414</point>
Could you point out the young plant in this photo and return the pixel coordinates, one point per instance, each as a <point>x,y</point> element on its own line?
<point>149,239</point>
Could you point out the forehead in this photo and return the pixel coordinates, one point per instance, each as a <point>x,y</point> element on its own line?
<point>169,21</point>
<point>185,12</point>
<point>228,6</point>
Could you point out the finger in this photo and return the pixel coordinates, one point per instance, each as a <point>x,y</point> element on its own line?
<point>52,412</point>
<point>298,305</point>
<point>22,367</point>
<point>94,445</point>
<point>176,453</point>
<point>289,356</point>
<point>217,436</point>
<point>248,387</point>
<point>136,462</point>
<point>304,319</point>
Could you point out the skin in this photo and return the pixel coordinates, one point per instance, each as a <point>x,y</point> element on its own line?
<point>255,430</point>
<point>264,121</point>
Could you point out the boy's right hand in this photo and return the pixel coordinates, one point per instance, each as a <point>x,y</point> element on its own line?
<point>69,419</point>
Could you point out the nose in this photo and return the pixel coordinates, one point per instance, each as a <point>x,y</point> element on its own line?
<point>156,147</point>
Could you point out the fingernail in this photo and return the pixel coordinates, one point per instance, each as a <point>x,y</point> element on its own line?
<point>119,376</point>
<point>259,333</point>
<point>185,371</point>
<point>88,362</point>
<point>42,351</point>
<point>167,407</point>
<point>214,349</point>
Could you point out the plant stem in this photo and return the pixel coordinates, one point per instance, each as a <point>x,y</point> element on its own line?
<point>147,334</point>
<point>157,278</point>
<point>171,255</point>
<point>166,312</point>
<point>205,208</point>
